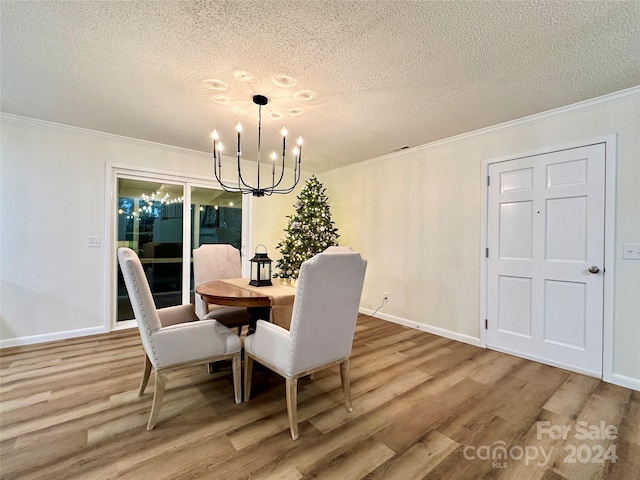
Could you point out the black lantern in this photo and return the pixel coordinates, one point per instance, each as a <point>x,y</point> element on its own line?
<point>260,269</point>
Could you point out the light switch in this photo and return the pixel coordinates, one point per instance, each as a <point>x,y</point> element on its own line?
<point>631,251</point>
<point>94,241</point>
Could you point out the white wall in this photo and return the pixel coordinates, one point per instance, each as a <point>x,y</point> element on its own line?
<point>416,216</point>
<point>52,197</point>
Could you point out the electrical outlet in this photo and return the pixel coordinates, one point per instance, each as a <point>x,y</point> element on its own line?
<point>386,296</point>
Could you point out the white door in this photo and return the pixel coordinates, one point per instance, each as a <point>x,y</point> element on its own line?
<point>545,264</point>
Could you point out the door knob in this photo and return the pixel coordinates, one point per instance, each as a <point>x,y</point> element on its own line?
<point>594,269</point>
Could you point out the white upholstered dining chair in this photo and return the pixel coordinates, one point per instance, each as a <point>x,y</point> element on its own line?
<point>323,322</point>
<point>217,262</point>
<point>173,337</point>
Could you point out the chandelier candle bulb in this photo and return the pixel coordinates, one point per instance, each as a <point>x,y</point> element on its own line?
<point>214,135</point>
<point>239,130</point>
<point>284,142</point>
<point>273,164</point>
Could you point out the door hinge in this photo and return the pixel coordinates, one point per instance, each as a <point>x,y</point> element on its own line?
<point>486,252</point>
<point>486,324</point>
<point>488,180</point>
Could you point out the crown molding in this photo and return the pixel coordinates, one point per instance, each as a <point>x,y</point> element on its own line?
<point>597,102</point>
<point>585,105</point>
<point>34,122</point>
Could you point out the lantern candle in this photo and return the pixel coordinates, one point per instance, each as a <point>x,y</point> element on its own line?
<point>260,269</point>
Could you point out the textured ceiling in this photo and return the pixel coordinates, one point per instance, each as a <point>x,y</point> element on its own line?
<point>355,78</point>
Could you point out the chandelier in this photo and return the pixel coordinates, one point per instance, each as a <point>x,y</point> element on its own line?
<point>258,190</point>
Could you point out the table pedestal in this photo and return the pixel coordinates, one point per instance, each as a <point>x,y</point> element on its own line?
<point>255,314</point>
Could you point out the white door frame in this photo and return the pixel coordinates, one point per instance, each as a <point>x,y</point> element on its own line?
<point>610,142</point>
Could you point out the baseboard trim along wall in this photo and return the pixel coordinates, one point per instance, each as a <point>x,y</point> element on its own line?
<point>624,381</point>
<point>425,328</point>
<point>51,337</point>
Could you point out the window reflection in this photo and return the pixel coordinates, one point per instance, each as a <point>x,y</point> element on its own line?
<point>150,222</point>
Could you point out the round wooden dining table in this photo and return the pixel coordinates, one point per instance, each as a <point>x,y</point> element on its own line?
<point>221,293</point>
<point>257,300</point>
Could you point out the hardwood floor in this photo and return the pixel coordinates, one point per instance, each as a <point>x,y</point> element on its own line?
<point>424,407</point>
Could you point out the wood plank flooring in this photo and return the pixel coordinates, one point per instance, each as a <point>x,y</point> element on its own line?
<point>424,407</point>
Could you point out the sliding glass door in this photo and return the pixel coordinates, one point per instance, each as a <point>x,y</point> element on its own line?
<point>153,221</point>
<point>216,217</point>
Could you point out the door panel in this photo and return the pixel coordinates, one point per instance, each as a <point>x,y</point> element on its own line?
<point>566,235</point>
<point>545,229</point>
<point>516,181</point>
<point>564,313</point>
<point>514,303</point>
<point>515,230</point>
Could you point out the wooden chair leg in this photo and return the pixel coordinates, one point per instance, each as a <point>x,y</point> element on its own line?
<point>248,373</point>
<point>145,375</point>
<point>236,367</point>
<point>346,384</point>
<point>292,406</point>
<point>158,393</point>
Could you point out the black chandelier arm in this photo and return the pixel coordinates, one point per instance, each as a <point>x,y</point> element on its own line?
<point>281,175</point>
<point>273,186</point>
<point>288,190</point>
<point>225,187</point>
<point>241,179</point>
<point>296,179</point>
<point>243,187</point>
<point>284,150</point>
<point>296,170</point>
<point>217,170</point>
<point>239,153</point>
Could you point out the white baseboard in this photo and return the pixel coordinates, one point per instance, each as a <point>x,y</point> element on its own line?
<point>425,328</point>
<point>624,381</point>
<point>50,337</point>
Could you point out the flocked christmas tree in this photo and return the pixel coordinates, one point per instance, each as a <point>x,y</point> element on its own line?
<point>309,231</point>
